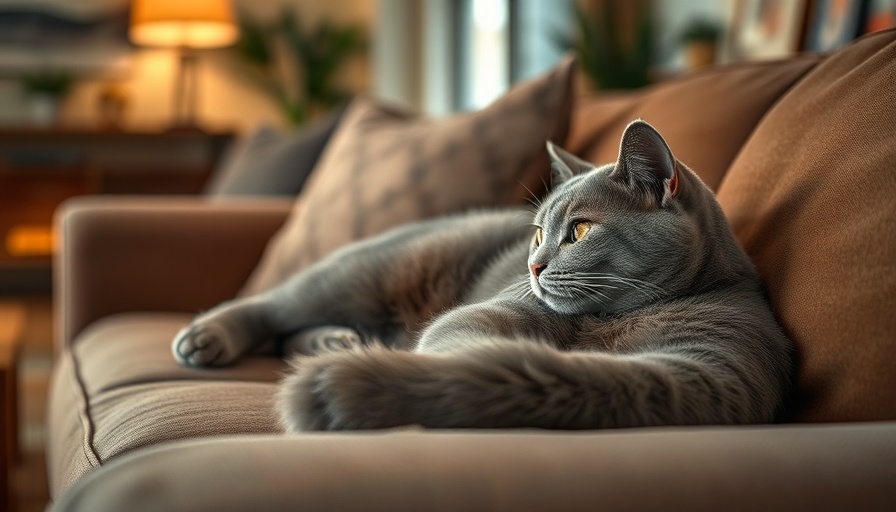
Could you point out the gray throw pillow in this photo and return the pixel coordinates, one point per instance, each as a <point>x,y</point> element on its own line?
<point>271,163</point>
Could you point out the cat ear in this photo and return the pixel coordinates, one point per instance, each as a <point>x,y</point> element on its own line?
<point>565,165</point>
<point>646,163</point>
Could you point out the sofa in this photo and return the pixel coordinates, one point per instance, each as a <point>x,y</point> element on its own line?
<point>802,156</point>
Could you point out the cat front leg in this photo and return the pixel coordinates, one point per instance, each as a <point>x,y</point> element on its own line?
<point>387,286</point>
<point>216,339</point>
<point>221,335</point>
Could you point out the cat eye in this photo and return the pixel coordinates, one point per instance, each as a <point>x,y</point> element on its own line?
<point>579,230</point>
<point>539,236</point>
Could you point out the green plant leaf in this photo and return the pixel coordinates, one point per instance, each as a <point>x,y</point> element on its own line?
<point>253,45</point>
<point>608,60</point>
<point>317,53</point>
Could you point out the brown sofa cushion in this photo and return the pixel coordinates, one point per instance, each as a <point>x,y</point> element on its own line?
<point>384,167</point>
<point>706,117</point>
<point>118,388</point>
<point>674,469</point>
<point>812,197</point>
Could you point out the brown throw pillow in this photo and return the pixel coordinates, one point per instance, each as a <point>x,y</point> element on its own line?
<point>384,167</point>
<point>812,197</point>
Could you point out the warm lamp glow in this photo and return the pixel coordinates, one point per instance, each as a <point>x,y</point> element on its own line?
<point>30,240</point>
<point>183,23</point>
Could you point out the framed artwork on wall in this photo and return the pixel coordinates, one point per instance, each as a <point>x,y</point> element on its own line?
<point>834,23</point>
<point>765,29</point>
<point>83,37</point>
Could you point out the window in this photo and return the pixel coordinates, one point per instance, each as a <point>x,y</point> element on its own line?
<point>499,42</point>
<point>441,56</point>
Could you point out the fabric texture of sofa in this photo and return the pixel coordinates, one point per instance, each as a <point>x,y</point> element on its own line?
<point>802,155</point>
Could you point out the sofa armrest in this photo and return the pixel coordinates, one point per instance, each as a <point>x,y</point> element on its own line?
<point>120,254</point>
<point>836,467</point>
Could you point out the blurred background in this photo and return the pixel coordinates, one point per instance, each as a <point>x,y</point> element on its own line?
<point>438,56</point>
<point>153,97</point>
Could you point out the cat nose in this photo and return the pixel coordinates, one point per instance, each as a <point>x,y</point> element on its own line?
<point>537,269</point>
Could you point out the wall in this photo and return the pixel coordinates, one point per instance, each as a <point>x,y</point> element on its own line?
<point>225,99</point>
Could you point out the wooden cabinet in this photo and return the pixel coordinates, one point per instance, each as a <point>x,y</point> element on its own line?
<point>40,168</point>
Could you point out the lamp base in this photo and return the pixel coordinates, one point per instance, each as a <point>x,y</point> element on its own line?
<point>185,89</point>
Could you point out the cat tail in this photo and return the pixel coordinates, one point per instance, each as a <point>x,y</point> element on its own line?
<point>507,384</point>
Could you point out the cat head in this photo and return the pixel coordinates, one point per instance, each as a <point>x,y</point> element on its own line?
<point>616,237</point>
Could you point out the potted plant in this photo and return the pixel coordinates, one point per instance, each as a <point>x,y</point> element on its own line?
<point>297,65</point>
<point>46,90</point>
<point>699,39</point>
<point>614,43</point>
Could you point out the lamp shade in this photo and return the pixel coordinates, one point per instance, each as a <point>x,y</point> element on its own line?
<point>183,23</point>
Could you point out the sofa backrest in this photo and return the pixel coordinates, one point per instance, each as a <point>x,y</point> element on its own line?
<point>812,198</point>
<point>705,118</point>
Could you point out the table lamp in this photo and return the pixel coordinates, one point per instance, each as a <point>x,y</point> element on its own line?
<point>187,25</point>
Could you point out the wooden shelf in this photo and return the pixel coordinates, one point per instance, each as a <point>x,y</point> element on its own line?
<point>40,168</point>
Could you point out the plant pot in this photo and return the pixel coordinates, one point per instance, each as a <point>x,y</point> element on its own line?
<point>700,55</point>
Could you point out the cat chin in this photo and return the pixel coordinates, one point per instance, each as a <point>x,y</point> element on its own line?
<point>560,306</point>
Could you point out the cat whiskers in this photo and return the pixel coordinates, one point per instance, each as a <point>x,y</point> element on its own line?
<point>653,291</point>
<point>591,289</point>
<point>586,289</point>
<point>521,290</point>
<point>535,201</point>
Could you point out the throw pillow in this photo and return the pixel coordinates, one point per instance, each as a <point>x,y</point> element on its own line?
<point>811,197</point>
<point>385,166</point>
<point>270,163</point>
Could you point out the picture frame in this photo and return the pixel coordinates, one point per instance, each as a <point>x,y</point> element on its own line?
<point>765,29</point>
<point>82,38</point>
<point>834,23</point>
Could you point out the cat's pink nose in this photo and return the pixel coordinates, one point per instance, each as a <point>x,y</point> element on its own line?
<point>537,269</point>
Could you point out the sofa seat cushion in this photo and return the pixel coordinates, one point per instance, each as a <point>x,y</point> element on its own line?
<point>119,388</point>
<point>782,468</point>
<point>135,348</point>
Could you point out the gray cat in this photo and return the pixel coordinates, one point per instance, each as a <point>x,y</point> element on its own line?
<point>630,305</point>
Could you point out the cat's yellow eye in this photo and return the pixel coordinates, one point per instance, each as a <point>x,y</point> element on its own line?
<point>539,235</point>
<point>579,230</point>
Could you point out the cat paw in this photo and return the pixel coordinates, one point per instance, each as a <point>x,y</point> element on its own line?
<point>320,340</point>
<point>341,391</point>
<point>203,344</point>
